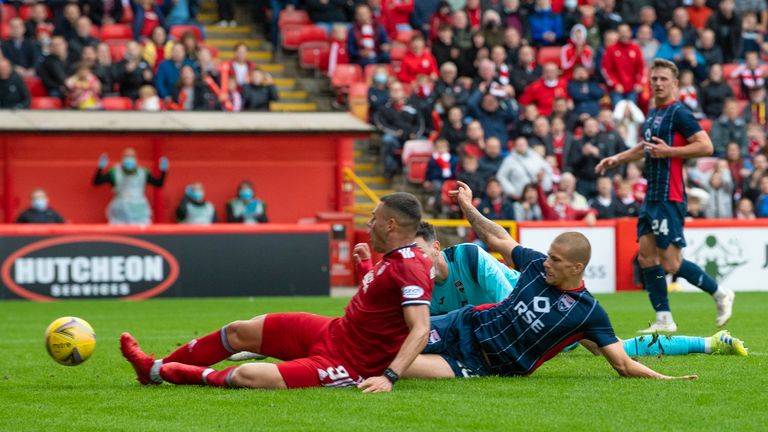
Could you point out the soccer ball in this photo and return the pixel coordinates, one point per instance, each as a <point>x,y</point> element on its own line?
<point>70,340</point>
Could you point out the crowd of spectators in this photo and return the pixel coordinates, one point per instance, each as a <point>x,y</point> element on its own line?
<point>527,96</point>
<point>58,45</point>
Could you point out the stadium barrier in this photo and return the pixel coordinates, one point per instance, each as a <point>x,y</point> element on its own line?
<point>295,161</point>
<point>51,262</point>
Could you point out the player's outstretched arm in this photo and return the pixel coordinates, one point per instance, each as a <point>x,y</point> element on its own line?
<point>631,155</point>
<point>627,367</point>
<point>417,319</point>
<point>496,237</point>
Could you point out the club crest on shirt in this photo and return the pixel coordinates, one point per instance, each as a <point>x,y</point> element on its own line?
<point>565,302</point>
<point>367,279</point>
<point>657,121</point>
<point>434,336</point>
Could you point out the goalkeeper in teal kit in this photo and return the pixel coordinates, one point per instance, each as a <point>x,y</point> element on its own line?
<point>467,274</point>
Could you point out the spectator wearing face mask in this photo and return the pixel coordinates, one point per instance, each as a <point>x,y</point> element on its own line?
<point>128,180</point>
<point>194,209</point>
<point>378,92</point>
<point>246,207</point>
<point>38,211</point>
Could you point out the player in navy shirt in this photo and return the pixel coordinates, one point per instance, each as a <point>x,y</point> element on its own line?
<point>670,136</point>
<point>548,310</point>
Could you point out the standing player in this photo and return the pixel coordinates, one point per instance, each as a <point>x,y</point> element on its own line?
<point>670,135</point>
<point>548,310</point>
<point>384,327</point>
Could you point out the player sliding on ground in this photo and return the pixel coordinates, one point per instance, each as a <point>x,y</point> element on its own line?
<point>547,311</point>
<point>384,327</point>
<point>466,274</point>
<point>670,136</point>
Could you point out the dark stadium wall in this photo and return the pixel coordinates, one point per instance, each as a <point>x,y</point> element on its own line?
<point>297,175</point>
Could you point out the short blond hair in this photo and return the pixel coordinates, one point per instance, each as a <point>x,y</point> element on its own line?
<point>666,64</point>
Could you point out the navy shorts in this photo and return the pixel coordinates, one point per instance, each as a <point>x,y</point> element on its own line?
<point>665,219</point>
<point>452,337</point>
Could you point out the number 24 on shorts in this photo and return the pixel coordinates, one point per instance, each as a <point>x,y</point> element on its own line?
<point>660,227</point>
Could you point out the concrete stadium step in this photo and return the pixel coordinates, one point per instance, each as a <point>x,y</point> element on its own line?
<point>240,29</point>
<point>293,94</point>
<point>378,192</point>
<point>273,68</point>
<point>364,167</point>
<point>285,83</point>
<point>370,180</point>
<point>224,44</point>
<point>208,16</point>
<point>257,56</point>
<point>293,106</point>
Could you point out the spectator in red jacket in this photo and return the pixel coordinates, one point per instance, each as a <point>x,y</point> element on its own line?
<point>623,67</point>
<point>543,91</point>
<point>397,14</point>
<point>561,210</point>
<point>417,61</point>
<point>576,52</point>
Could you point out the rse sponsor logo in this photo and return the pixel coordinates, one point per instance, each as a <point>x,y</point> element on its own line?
<point>540,305</point>
<point>565,302</point>
<point>412,292</point>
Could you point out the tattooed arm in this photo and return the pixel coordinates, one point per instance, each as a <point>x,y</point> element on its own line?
<point>496,237</point>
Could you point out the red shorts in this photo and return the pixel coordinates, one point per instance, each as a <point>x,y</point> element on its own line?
<point>303,340</point>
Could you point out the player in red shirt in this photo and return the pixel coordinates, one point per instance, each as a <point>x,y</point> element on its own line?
<point>384,327</point>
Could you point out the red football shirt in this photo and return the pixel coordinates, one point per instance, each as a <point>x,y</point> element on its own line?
<point>373,327</point>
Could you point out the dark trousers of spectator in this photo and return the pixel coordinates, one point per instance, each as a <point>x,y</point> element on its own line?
<point>380,59</point>
<point>390,154</point>
<point>587,188</point>
<point>226,10</point>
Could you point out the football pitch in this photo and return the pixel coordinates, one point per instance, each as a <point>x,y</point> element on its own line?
<point>573,391</point>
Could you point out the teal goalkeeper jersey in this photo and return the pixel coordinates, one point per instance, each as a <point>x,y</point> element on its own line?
<point>474,277</point>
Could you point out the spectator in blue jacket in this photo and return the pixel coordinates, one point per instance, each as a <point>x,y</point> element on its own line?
<point>546,26</point>
<point>495,205</point>
<point>181,12</point>
<point>367,41</point>
<point>493,113</point>
<point>586,94</point>
<point>761,205</point>
<point>146,16</point>
<point>169,70</point>
<point>672,48</point>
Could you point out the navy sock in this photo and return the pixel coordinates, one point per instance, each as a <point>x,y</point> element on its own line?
<point>655,283</point>
<point>696,276</point>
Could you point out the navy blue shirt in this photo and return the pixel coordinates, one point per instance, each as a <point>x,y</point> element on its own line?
<point>674,124</point>
<point>537,320</point>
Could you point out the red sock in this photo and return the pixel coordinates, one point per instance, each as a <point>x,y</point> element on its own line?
<point>181,374</point>
<point>205,351</point>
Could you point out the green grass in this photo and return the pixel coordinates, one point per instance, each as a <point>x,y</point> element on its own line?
<point>574,391</point>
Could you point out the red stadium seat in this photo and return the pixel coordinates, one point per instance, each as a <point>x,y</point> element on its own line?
<point>404,37</point>
<point>4,31</point>
<point>116,103</point>
<point>706,124</point>
<point>116,32</point>
<point>358,90</point>
<point>290,37</point>
<point>345,75</point>
<point>358,100</point>
<point>312,34</point>
<point>45,103</point>
<point>291,18</point>
<point>397,52</point>
<point>116,50</point>
<point>26,10</point>
<point>7,12</point>
<point>371,69</point>
<point>728,69</point>
<point>416,168</point>
<point>178,30</point>
<point>549,55</point>
<point>314,55</point>
<point>417,147</point>
<point>448,185</point>
<point>214,51</point>
<point>35,87</point>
